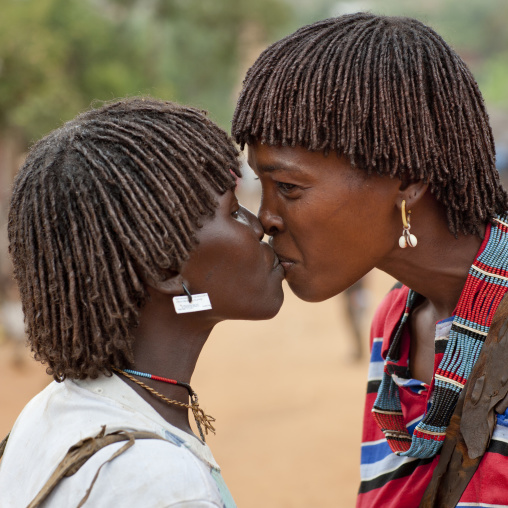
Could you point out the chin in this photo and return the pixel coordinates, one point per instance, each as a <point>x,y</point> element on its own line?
<point>310,294</point>
<point>270,308</point>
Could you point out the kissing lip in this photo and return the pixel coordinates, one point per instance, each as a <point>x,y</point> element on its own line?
<point>276,261</point>
<point>286,263</point>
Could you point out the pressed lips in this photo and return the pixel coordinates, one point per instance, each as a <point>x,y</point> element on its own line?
<point>286,263</point>
<point>276,261</point>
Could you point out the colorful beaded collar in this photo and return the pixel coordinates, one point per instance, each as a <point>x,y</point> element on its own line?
<point>486,284</point>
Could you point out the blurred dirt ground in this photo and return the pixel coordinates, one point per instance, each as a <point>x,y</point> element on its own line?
<point>287,398</point>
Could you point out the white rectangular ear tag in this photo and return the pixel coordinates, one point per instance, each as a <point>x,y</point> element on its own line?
<point>199,302</point>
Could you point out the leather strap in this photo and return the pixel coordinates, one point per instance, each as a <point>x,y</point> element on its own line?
<point>472,424</point>
<point>79,453</point>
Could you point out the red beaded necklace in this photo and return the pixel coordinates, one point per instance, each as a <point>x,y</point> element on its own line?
<point>202,419</point>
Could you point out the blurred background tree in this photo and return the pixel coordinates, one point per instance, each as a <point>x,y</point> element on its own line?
<point>56,56</point>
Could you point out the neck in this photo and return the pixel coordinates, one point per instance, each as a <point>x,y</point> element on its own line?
<point>167,345</point>
<point>438,266</point>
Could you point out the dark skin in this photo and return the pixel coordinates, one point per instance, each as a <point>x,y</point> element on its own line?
<point>244,281</point>
<point>331,224</point>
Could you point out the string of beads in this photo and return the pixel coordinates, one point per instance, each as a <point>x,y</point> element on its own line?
<point>203,421</point>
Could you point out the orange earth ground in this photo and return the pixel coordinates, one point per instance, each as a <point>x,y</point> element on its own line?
<point>287,401</point>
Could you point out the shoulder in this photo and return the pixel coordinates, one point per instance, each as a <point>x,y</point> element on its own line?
<point>162,472</point>
<point>151,472</point>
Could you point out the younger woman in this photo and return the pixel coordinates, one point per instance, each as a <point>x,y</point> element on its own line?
<point>129,246</point>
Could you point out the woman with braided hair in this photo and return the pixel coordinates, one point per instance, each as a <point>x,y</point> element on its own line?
<point>129,245</point>
<point>373,147</point>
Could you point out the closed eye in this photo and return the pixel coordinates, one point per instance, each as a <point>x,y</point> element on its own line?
<point>286,187</point>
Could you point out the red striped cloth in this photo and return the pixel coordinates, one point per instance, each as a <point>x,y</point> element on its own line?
<point>391,481</point>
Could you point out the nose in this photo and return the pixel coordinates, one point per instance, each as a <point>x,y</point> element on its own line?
<point>271,222</point>
<point>254,223</point>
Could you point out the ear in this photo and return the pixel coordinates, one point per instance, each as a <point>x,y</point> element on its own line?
<point>411,192</point>
<point>170,286</point>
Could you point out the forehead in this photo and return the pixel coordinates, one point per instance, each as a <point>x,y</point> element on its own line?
<point>296,160</point>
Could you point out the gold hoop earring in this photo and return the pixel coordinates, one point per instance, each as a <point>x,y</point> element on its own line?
<point>407,238</point>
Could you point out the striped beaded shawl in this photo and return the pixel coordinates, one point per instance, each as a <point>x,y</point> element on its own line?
<point>486,284</point>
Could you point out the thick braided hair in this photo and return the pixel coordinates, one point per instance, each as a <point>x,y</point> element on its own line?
<point>115,193</point>
<point>386,92</point>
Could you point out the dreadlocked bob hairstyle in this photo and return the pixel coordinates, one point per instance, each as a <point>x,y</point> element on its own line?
<point>389,94</point>
<point>116,192</point>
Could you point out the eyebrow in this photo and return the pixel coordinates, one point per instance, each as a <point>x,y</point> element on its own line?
<point>271,168</point>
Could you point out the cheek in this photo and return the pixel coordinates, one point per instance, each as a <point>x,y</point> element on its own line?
<point>336,249</point>
<point>318,234</point>
<point>240,261</point>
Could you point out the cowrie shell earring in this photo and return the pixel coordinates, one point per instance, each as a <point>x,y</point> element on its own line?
<point>406,238</point>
